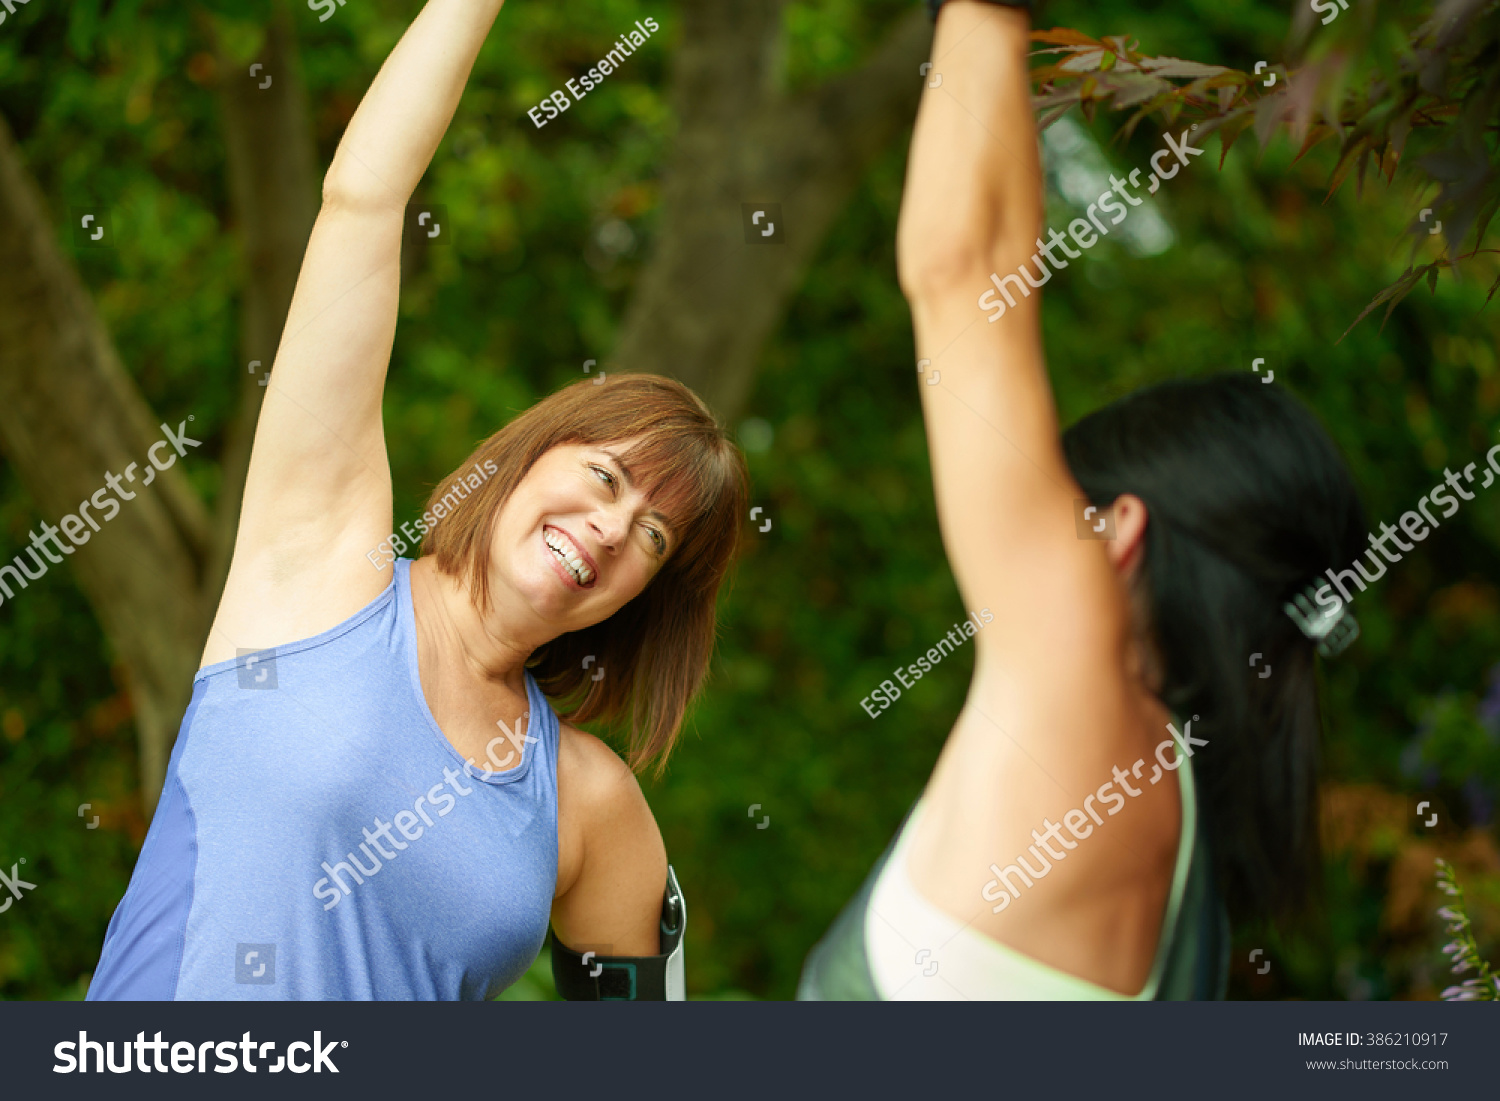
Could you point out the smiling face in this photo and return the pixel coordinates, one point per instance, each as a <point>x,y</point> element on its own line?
<point>578,539</point>
<point>557,546</point>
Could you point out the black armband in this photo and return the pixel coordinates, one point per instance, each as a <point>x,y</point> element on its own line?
<point>590,977</point>
<point>934,5</point>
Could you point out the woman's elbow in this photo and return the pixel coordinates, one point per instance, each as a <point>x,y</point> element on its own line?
<point>356,190</point>
<point>929,272</point>
<point>935,258</point>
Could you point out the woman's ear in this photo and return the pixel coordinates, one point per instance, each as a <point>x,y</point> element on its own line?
<point>1128,546</point>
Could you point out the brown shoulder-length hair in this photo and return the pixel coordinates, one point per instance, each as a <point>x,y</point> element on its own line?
<point>655,650</point>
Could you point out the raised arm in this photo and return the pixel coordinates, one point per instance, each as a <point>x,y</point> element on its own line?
<point>1054,702</point>
<point>318,492</point>
<point>972,207</point>
<point>404,115</point>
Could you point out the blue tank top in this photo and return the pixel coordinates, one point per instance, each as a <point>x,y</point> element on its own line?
<point>319,838</point>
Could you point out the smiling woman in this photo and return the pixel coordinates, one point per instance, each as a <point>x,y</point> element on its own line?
<point>635,436</point>
<point>583,565</point>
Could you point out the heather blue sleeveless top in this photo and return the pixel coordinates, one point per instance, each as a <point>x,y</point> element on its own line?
<point>318,837</point>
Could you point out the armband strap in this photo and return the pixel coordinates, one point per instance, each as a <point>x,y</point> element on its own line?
<point>934,5</point>
<point>590,977</point>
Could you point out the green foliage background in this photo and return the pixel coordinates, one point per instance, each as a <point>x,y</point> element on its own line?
<point>851,581</point>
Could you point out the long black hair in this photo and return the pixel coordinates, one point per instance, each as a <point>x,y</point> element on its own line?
<point>1248,502</point>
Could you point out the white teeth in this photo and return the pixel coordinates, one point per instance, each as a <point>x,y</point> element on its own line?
<point>569,556</point>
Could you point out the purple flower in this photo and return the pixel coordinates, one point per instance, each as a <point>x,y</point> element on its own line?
<point>1489,707</point>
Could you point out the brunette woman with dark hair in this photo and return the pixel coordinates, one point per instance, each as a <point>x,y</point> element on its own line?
<point>325,831</point>
<point>1121,768</point>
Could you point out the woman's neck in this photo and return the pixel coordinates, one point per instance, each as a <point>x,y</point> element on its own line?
<point>450,626</point>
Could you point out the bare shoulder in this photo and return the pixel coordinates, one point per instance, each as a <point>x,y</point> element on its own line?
<point>592,771</point>
<point>602,812</point>
<point>612,863</point>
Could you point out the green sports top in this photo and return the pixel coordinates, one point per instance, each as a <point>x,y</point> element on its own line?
<point>1191,962</point>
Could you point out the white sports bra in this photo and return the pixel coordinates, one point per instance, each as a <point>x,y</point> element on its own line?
<point>918,952</point>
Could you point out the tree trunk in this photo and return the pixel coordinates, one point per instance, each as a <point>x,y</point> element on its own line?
<point>69,411</point>
<point>708,300</point>
<point>275,190</point>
